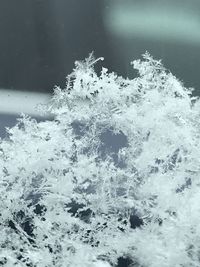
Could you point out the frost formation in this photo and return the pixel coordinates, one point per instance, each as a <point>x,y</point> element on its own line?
<point>115,175</point>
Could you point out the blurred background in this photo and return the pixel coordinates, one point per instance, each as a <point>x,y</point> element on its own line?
<point>40,40</point>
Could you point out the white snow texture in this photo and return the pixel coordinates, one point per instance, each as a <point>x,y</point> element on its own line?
<point>114,174</point>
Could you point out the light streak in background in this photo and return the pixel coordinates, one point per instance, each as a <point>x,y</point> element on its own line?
<point>154,22</point>
<point>16,102</point>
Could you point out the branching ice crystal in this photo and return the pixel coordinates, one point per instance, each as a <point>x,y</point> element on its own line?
<point>114,176</point>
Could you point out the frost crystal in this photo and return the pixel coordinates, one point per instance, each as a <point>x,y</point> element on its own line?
<point>115,175</point>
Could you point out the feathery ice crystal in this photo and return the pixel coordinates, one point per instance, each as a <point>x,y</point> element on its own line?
<point>115,174</point>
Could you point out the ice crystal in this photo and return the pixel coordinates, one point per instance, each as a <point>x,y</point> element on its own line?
<point>115,175</point>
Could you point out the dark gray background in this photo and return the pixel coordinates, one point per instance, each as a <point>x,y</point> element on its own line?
<point>41,39</point>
